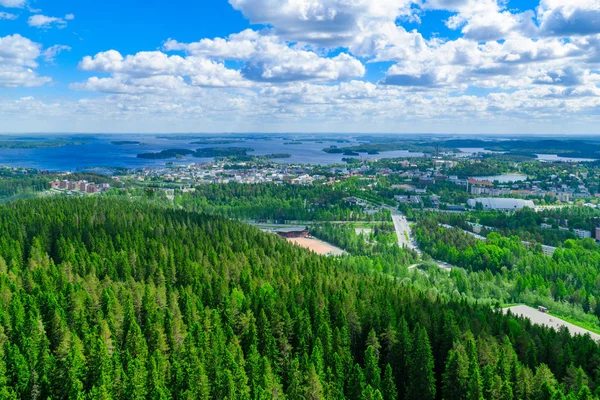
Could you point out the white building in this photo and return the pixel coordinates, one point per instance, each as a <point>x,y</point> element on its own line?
<point>491,203</point>
<point>582,234</point>
<point>564,197</point>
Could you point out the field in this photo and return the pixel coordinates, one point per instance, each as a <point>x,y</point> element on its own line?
<point>551,321</point>
<point>318,246</point>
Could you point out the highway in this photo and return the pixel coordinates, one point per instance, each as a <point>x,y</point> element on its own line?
<point>403,230</point>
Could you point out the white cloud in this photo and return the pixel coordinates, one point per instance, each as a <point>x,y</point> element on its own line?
<point>305,69</point>
<point>45,22</point>
<point>323,22</point>
<point>18,50</point>
<point>51,52</point>
<point>269,59</point>
<point>484,20</point>
<point>13,3</point>
<point>9,16</point>
<point>18,59</point>
<point>156,71</point>
<point>572,17</point>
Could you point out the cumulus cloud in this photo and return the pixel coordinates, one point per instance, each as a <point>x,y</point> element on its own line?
<point>13,3</point>
<point>156,71</point>
<point>18,50</point>
<point>323,22</point>
<point>484,20</point>
<point>18,60</point>
<point>267,58</point>
<point>310,59</point>
<point>9,16</point>
<point>45,22</point>
<point>573,17</point>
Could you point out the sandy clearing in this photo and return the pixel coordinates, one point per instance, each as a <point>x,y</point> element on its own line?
<point>318,246</point>
<point>540,318</point>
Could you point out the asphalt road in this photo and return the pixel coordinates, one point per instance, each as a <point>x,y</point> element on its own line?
<point>540,318</point>
<point>402,230</point>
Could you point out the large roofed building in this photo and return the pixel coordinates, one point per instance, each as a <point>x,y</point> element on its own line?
<point>495,203</point>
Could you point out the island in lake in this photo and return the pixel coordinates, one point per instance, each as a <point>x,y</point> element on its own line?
<point>124,142</point>
<point>28,144</point>
<point>222,151</point>
<point>275,156</point>
<point>165,154</point>
<point>207,152</point>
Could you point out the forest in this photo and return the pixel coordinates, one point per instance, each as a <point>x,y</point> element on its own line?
<point>110,299</point>
<point>568,280</point>
<point>275,202</point>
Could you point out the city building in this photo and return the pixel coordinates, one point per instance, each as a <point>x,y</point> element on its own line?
<point>582,233</point>
<point>83,186</point>
<point>564,197</point>
<point>502,204</point>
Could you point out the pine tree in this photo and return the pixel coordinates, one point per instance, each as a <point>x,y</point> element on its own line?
<point>546,392</point>
<point>314,387</point>
<point>157,374</point>
<point>475,385</point>
<point>356,382</point>
<point>295,390</point>
<point>421,384</point>
<point>456,376</point>
<point>402,351</point>
<point>5,391</point>
<point>136,386</point>
<point>506,392</point>
<point>372,371</point>
<point>584,393</point>
<point>388,385</point>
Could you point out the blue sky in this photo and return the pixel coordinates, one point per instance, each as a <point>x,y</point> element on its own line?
<point>448,66</point>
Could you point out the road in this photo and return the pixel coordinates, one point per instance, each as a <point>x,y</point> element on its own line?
<point>402,230</point>
<point>540,318</point>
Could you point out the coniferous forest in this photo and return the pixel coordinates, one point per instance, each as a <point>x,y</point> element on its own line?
<point>107,299</point>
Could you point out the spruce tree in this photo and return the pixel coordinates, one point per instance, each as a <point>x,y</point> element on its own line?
<point>388,385</point>
<point>421,384</point>
<point>456,376</point>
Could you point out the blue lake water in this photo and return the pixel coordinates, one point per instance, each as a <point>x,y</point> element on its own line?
<point>554,157</point>
<point>505,178</point>
<point>100,152</point>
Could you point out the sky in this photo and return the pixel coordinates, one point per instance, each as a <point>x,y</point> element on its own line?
<point>340,66</point>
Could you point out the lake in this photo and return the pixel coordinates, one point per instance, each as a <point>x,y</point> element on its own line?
<point>505,178</point>
<point>100,152</point>
<point>470,151</point>
<point>554,157</point>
